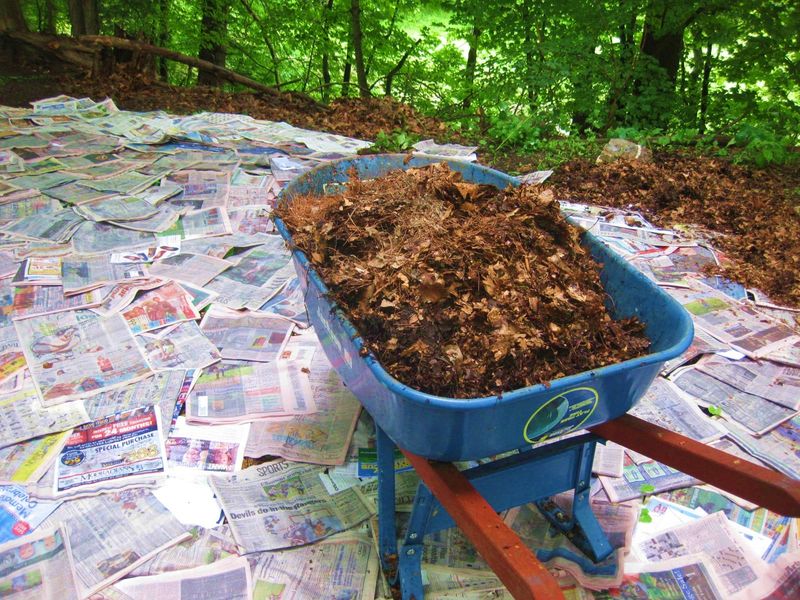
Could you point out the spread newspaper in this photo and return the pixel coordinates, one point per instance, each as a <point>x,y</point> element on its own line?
<point>38,566</point>
<point>79,353</point>
<point>282,504</point>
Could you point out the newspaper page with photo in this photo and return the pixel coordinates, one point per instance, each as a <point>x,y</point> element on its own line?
<point>78,354</point>
<point>127,446</point>
<point>22,416</point>
<point>193,451</point>
<point>282,504</point>
<point>38,566</point>
<point>112,534</point>
<point>157,308</point>
<point>162,390</point>
<point>343,566</point>
<point>37,300</point>
<point>237,393</point>
<point>201,224</point>
<point>322,437</point>
<point>226,579</point>
<point>183,347</point>
<point>246,335</point>
<point>713,539</point>
<point>636,480</point>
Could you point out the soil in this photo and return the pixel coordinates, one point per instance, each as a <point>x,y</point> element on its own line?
<point>753,216</point>
<point>459,289</point>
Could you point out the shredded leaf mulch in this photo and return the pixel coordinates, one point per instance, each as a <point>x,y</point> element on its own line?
<point>753,215</point>
<point>459,289</point>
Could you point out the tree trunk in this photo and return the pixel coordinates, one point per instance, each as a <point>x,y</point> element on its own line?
<point>76,18</point>
<point>11,18</point>
<point>267,40</point>
<point>213,31</point>
<point>396,69</point>
<point>704,90</point>
<point>162,40</point>
<point>91,22</point>
<point>358,48</point>
<point>666,48</point>
<point>326,64</point>
<point>530,92</point>
<point>472,63</point>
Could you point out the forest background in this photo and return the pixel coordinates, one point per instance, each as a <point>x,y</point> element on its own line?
<point>521,75</point>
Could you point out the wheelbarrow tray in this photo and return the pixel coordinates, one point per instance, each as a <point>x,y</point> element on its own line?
<point>451,429</point>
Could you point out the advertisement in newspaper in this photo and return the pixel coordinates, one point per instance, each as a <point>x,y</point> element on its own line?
<point>195,450</point>
<point>162,306</point>
<point>182,347</point>
<point>637,479</point>
<point>38,566</point>
<point>79,353</point>
<point>26,462</point>
<point>19,513</point>
<point>126,445</point>
<point>282,504</point>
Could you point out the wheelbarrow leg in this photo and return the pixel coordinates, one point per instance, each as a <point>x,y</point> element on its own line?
<point>387,529</point>
<point>582,528</point>
<point>411,551</point>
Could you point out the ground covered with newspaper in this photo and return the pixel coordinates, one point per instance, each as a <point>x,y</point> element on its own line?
<point>153,336</point>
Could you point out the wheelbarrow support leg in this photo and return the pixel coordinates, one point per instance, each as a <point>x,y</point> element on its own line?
<point>411,552</point>
<point>582,528</point>
<point>387,531</point>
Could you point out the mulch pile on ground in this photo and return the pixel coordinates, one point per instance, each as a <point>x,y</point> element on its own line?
<point>459,289</point>
<point>755,212</point>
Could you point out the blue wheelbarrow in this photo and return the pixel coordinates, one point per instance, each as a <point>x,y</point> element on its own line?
<point>450,429</point>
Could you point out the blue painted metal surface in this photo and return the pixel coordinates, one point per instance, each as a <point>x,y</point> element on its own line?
<point>450,429</point>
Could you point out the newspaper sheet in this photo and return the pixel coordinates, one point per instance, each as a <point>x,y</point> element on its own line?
<point>195,269</point>
<point>227,579</point>
<point>777,383</point>
<point>342,566</point>
<point>442,583</point>
<point>116,208</point>
<point>289,303</point>
<point>245,335</point>
<point>257,277</point>
<point>38,566</point>
<point>122,295</point>
<point>101,238</point>
<point>22,416</point>
<point>162,306</point>
<point>456,151</point>
<point>35,300</point>
<point>753,412</point>
<point>201,224</point>
<point>648,477</point>
<point>734,323</point>
<point>163,217</point>
<point>125,447</point>
<point>609,459</point>
<point>83,274</point>
<point>78,354</point>
<point>26,462</point>
<point>53,227</point>
<point>701,344</point>
<point>281,504</point>
<point>664,404</point>
<point>19,513</point>
<point>556,551</point>
<point>204,547</point>
<point>236,393</point>
<point>676,265</point>
<point>193,451</point>
<point>112,534</point>
<point>322,437</point>
<point>74,193</point>
<point>201,189</point>
<point>162,390</point>
<point>711,538</point>
<point>39,270</point>
<point>183,347</point>
<point>781,582</point>
<point>251,220</point>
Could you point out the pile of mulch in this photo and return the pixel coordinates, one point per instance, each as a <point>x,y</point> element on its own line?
<point>752,215</point>
<point>459,289</point>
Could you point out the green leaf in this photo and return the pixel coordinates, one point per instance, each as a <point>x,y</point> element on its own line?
<point>647,488</point>
<point>644,516</point>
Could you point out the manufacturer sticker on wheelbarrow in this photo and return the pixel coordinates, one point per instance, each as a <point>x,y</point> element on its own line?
<point>561,414</point>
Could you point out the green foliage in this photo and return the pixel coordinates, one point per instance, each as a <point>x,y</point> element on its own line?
<point>760,146</point>
<point>396,141</point>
